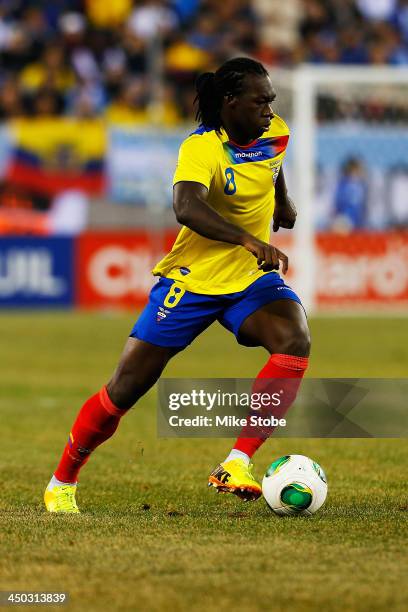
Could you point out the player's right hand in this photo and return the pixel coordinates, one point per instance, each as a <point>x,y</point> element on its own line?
<point>268,256</point>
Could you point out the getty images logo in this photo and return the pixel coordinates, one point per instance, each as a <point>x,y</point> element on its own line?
<point>29,272</point>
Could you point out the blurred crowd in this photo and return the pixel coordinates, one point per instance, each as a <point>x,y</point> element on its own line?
<point>90,58</point>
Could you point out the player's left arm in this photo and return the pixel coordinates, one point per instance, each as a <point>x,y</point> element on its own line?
<point>285,211</point>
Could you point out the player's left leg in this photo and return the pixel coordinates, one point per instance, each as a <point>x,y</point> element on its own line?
<point>280,326</point>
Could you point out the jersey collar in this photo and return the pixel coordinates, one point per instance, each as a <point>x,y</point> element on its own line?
<point>225,138</point>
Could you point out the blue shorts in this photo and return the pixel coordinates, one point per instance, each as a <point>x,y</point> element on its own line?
<point>173,316</point>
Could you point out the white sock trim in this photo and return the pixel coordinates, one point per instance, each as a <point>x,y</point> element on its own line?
<point>237,454</point>
<point>54,482</point>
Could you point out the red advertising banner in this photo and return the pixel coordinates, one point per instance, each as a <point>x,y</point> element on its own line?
<point>114,268</point>
<point>356,271</point>
<point>362,269</point>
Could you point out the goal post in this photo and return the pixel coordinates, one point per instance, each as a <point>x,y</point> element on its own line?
<point>321,144</point>
<point>303,147</point>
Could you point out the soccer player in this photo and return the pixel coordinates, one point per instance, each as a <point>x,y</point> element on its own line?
<point>228,187</point>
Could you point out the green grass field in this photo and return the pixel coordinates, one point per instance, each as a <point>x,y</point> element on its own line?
<point>151,536</point>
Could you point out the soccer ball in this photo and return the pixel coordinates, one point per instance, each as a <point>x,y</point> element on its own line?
<point>294,484</point>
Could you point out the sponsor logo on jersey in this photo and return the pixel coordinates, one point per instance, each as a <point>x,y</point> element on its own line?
<point>250,154</point>
<point>184,271</point>
<point>262,149</point>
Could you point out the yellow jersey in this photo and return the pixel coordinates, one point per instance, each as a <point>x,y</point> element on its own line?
<point>241,187</point>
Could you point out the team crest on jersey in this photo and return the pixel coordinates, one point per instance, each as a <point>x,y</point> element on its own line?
<point>275,167</point>
<point>161,314</point>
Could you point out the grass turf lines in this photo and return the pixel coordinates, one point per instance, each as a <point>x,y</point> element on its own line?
<point>150,536</point>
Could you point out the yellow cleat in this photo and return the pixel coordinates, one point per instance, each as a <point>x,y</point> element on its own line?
<point>61,498</point>
<point>235,477</point>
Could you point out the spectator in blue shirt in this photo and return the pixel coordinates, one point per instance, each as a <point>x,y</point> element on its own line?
<point>350,211</point>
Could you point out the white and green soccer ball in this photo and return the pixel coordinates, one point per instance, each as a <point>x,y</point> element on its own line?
<point>294,484</point>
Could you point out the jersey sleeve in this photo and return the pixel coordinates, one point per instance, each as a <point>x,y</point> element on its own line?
<point>196,161</point>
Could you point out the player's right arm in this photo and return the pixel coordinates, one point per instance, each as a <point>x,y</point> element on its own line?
<point>192,210</point>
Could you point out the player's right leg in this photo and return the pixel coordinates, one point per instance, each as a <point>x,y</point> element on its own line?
<point>140,366</point>
<point>171,320</point>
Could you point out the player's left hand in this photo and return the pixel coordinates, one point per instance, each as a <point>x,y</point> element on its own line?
<point>284,215</point>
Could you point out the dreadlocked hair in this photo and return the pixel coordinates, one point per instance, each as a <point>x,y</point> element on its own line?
<point>212,87</point>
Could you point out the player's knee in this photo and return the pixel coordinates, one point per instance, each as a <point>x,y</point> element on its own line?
<point>296,341</point>
<point>300,342</point>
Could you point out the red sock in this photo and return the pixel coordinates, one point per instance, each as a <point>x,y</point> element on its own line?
<point>97,421</point>
<point>279,366</point>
